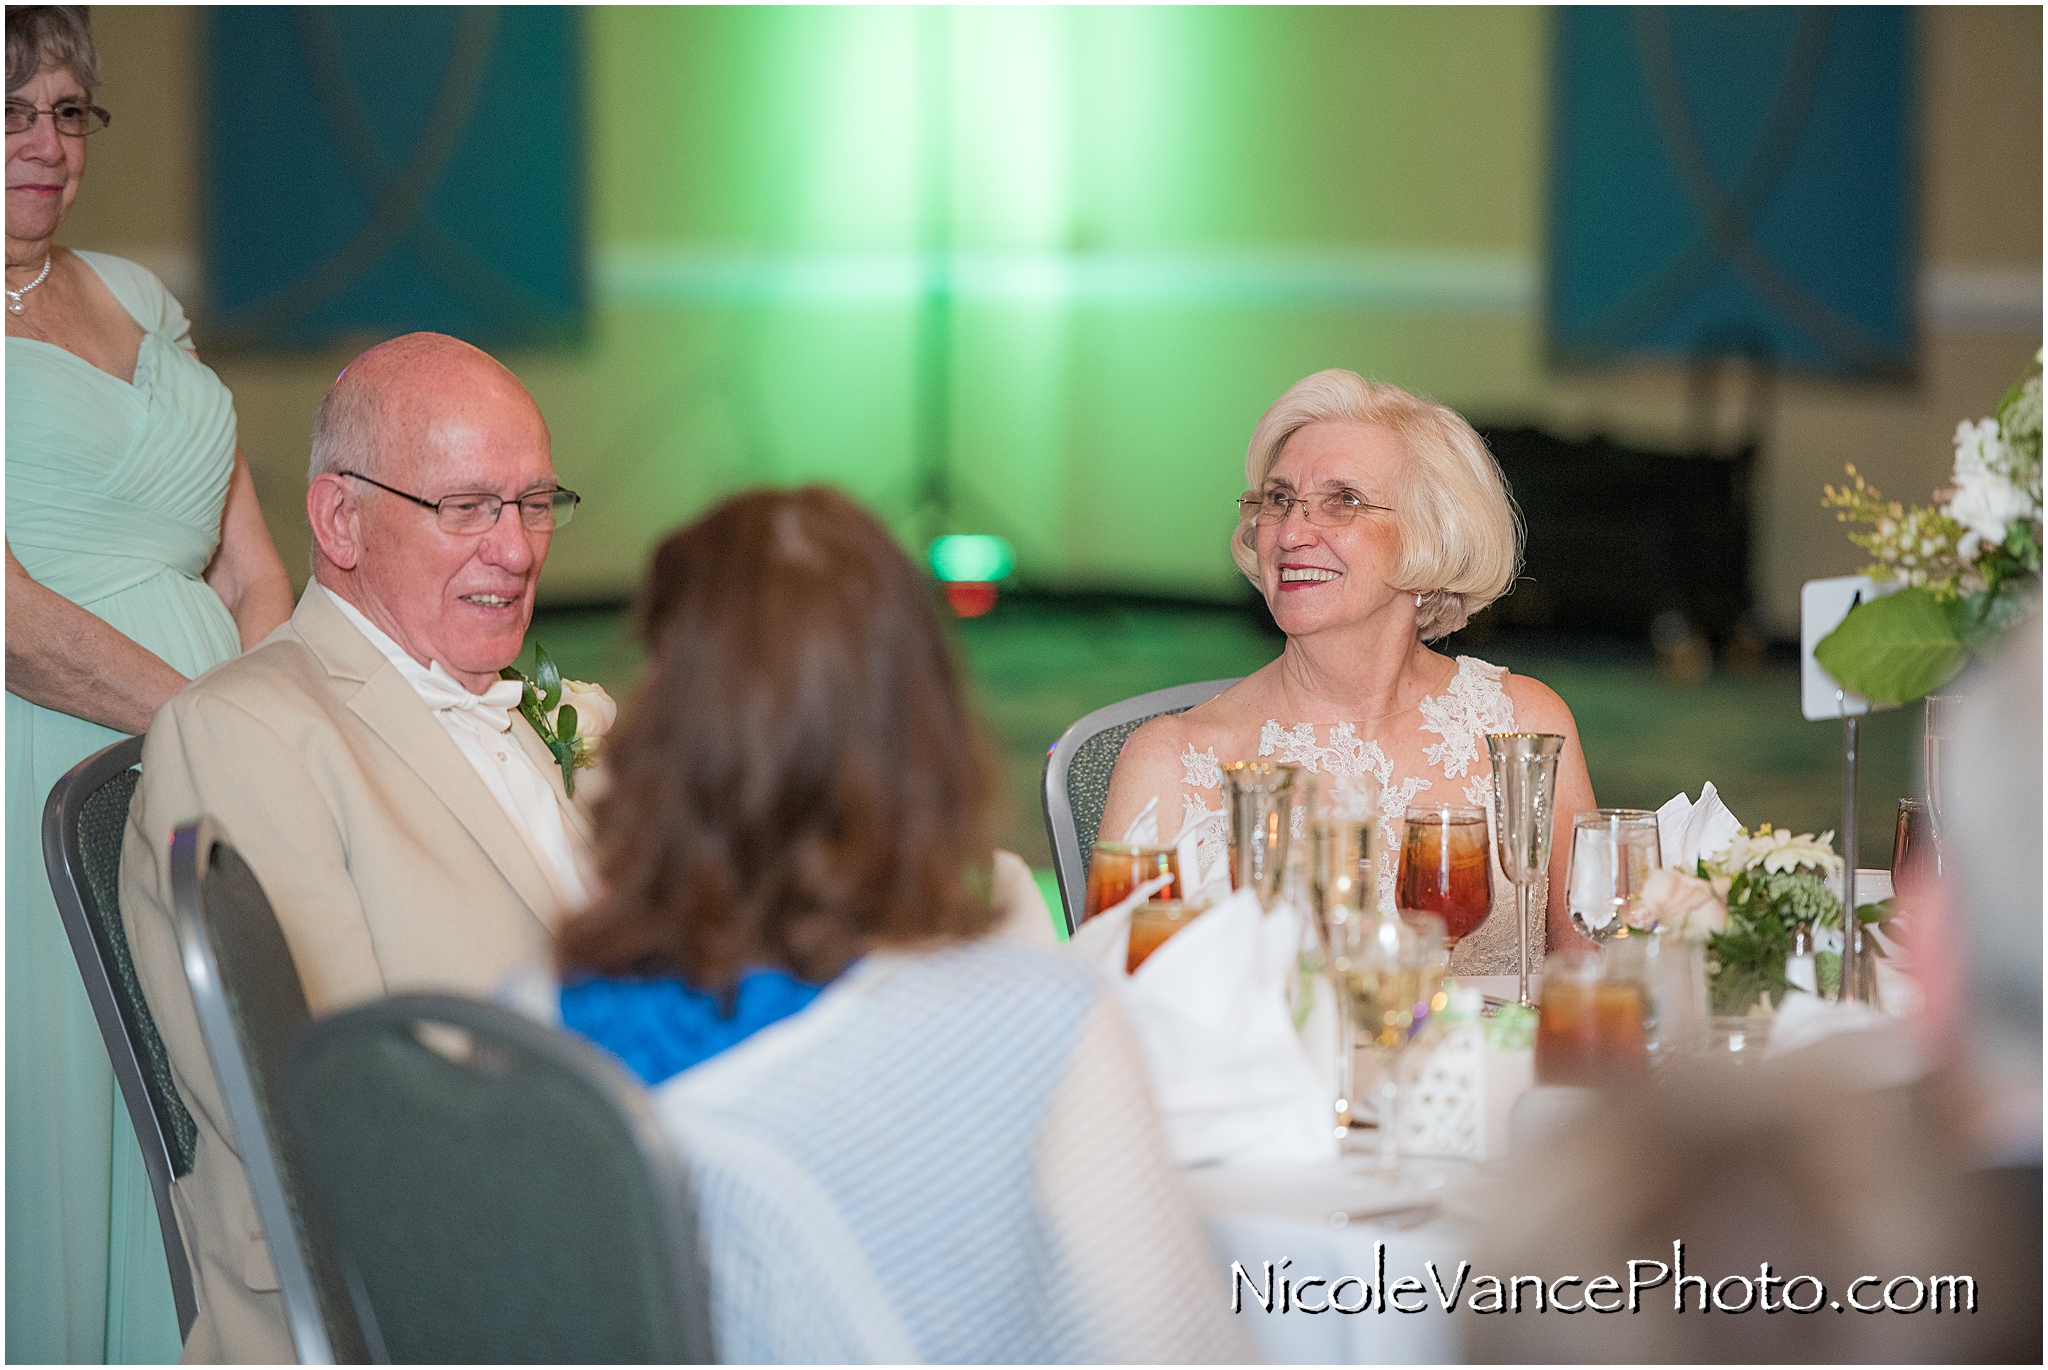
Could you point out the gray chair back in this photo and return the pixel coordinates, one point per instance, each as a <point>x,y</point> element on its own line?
<point>499,1190</point>
<point>1077,772</point>
<point>83,823</point>
<point>251,1006</point>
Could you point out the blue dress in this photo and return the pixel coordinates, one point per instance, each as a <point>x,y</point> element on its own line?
<point>114,499</point>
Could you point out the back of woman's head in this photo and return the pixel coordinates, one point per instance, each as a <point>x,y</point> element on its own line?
<point>796,777</point>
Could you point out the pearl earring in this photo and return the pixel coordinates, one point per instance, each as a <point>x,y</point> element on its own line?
<point>1418,599</point>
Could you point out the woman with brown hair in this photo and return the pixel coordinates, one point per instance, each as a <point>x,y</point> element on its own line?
<point>949,1152</point>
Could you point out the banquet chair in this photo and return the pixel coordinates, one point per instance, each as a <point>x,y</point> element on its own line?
<point>501,1190</point>
<point>251,1004</point>
<point>83,822</point>
<point>1077,772</point>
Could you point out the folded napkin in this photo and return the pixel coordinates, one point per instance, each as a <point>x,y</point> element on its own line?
<point>1869,1049</point>
<point>1689,831</point>
<point>1233,1082</point>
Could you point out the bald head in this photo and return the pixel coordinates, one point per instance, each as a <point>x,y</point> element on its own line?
<point>386,398</point>
<point>415,422</point>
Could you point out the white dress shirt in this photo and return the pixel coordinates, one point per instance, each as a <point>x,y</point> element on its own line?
<point>481,728</point>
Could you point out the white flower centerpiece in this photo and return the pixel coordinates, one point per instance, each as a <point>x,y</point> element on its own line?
<point>1744,903</point>
<point>1969,564</point>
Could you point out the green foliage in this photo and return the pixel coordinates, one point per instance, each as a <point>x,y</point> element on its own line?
<point>1747,958</point>
<point>1980,620</point>
<point>1894,649</point>
<point>548,677</point>
<point>538,699</point>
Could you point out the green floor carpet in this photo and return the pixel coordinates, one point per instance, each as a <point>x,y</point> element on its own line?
<point>1037,666</point>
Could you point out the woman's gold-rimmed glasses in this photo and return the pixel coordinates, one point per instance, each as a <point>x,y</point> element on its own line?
<point>1332,509</point>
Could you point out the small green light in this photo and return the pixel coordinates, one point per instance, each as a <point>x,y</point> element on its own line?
<point>971,557</point>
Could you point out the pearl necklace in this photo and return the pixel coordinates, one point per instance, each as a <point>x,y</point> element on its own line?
<point>14,296</point>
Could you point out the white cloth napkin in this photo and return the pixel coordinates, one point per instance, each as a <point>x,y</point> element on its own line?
<point>1232,1079</point>
<point>1688,831</point>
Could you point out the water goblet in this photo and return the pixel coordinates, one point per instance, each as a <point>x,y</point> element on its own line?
<point>1524,787</point>
<point>1613,853</point>
<point>1446,868</point>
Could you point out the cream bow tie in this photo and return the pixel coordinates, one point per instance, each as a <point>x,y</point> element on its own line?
<point>492,709</point>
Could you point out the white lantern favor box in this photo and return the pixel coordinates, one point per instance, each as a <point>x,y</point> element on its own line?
<point>1459,1081</point>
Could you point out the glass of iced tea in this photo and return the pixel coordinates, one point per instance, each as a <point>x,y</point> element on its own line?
<point>1446,867</point>
<point>1116,869</point>
<point>1590,1028</point>
<point>1152,922</point>
<point>1915,858</point>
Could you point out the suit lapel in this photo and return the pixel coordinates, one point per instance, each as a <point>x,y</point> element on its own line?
<point>530,743</point>
<point>391,708</point>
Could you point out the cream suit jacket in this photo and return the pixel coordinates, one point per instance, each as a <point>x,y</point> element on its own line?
<point>390,866</point>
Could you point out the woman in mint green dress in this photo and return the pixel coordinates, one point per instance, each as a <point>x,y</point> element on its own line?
<point>136,559</point>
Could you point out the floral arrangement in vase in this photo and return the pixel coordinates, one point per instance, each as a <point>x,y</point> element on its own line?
<point>1968,566</point>
<point>1744,904</point>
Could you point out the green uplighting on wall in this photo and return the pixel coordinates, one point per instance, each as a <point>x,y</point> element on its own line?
<point>971,557</point>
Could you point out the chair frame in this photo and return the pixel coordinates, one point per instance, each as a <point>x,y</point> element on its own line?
<point>192,848</point>
<point>64,862</point>
<point>597,1072</point>
<point>1070,863</point>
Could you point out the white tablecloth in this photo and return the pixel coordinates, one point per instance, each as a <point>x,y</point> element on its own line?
<point>1285,1216</point>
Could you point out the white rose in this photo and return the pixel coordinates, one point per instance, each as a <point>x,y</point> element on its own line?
<point>1985,501</point>
<point>1686,905</point>
<point>596,711</point>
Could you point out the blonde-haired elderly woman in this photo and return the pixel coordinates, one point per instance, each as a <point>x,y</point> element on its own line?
<point>1375,523</point>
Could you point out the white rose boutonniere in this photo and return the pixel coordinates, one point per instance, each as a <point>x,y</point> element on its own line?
<point>571,716</point>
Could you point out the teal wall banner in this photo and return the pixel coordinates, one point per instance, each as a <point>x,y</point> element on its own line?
<point>378,170</point>
<point>1734,181</point>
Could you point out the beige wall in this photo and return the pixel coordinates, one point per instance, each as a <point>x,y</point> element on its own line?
<point>1981,155</point>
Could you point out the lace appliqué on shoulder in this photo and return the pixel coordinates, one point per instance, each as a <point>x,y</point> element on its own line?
<point>1474,706</point>
<point>1296,746</point>
<point>1202,771</point>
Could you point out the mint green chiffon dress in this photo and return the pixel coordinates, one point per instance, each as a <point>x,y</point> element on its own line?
<point>114,498</point>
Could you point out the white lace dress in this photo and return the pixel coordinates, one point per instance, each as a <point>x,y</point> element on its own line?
<point>1473,706</point>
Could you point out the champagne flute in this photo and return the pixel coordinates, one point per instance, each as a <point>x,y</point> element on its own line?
<point>1446,868</point>
<point>1524,786</point>
<point>1392,972</point>
<point>1613,853</point>
<point>1259,797</point>
<point>1343,883</point>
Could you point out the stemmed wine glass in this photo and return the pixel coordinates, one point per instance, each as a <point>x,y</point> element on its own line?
<point>1524,785</point>
<point>1392,972</point>
<point>1446,868</point>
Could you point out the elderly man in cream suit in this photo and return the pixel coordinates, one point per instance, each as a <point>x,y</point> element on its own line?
<point>409,827</point>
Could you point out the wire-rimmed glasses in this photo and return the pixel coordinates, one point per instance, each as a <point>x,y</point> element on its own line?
<point>543,511</point>
<point>1330,509</point>
<point>72,118</point>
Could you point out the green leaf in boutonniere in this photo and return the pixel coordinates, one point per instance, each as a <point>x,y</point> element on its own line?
<point>548,677</point>
<point>1894,649</point>
<point>540,704</point>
